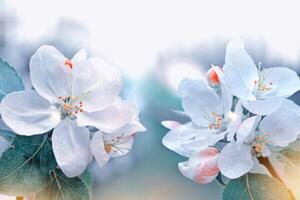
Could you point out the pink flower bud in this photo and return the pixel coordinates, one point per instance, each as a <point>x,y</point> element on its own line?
<point>202,167</point>
<point>212,76</point>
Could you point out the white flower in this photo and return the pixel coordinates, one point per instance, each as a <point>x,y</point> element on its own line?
<point>261,91</point>
<point>68,95</point>
<point>278,129</point>
<point>107,145</point>
<point>211,118</point>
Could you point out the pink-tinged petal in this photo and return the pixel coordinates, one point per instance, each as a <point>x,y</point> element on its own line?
<point>98,149</point>
<point>170,124</point>
<point>202,167</point>
<point>51,73</point>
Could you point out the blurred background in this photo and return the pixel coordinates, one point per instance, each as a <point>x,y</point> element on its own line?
<point>155,44</point>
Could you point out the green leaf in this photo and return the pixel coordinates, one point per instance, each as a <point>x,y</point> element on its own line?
<point>61,187</point>
<point>255,187</point>
<point>10,81</point>
<point>24,167</point>
<point>289,166</point>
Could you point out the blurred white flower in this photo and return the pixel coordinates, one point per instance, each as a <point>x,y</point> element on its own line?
<point>69,95</point>
<point>260,90</point>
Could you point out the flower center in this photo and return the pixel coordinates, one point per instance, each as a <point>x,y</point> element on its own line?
<point>260,85</point>
<point>260,143</point>
<point>71,106</point>
<point>108,148</point>
<point>216,121</point>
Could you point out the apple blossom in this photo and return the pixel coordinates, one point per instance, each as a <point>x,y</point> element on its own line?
<point>260,90</point>
<point>69,95</point>
<point>278,129</point>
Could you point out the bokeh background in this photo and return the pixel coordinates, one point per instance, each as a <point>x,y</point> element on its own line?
<point>155,44</point>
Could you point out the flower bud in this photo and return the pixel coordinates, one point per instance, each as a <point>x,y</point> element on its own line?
<point>212,76</point>
<point>202,167</point>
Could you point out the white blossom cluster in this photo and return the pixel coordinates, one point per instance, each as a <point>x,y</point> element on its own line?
<point>239,113</point>
<point>70,98</point>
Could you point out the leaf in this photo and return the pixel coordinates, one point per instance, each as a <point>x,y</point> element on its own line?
<point>255,187</point>
<point>289,167</point>
<point>24,167</point>
<point>8,135</point>
<point>10,81</point>
<point>61,187</point>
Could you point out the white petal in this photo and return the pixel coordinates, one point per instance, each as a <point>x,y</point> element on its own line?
<point>130,129</point>
<point>199,101</point>
<point>71,147</point>
<point>49,75</point>
<point>110,119</point>
<point>285,82</point>
<point>170,124</point>
<point>246,130</point>
<point>234,161</point>
<point>79,57</point>
<point>27,113</point>
<point>240,71</point>
<point>98,83</point>
<point>263,106</point>
<point>234,121</point>
<point>188,138</point>
<point>98,149</point>
<point>282,126</point>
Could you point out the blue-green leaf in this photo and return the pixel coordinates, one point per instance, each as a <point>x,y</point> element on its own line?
<point>10,81</point>
<point>25,166</point>
<point>255,187</point>
<point>61,187</point>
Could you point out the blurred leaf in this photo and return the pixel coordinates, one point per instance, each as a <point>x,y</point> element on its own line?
<point>8,135</point>
<point>255,187</point>
<point>61,187</point>
<point>24,167</point>
<point>289,161</point>
<point>10,81</point>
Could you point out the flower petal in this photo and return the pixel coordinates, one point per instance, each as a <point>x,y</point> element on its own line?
<point>234,161</point>
<point>202,166</point>
<point>27,113</point>
<point>246,130</point>
<point>79,57</point>
<point>71,147</point>
<point>282,127</point>
<point>98,149</point>
<point>240,71</point>
<point>49,75</point>
<point>110,119</point>
<point>98,83</point>
<point>199,101</point>
<point>263,106</point>
<point>170,124</point>
<point>285,82</point>
<point>188,138</point>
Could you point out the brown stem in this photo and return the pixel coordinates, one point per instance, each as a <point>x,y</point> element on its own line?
<point>266,162</point>
<point>19,198</point>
